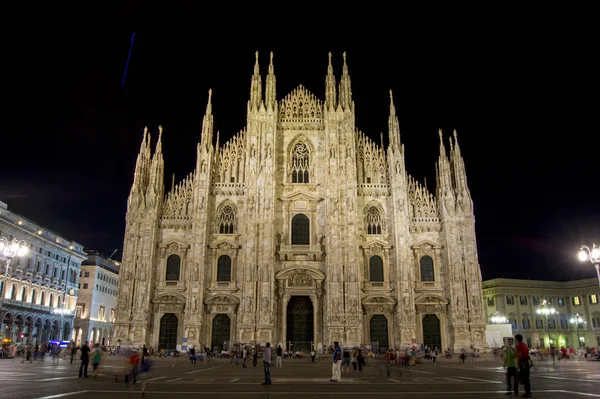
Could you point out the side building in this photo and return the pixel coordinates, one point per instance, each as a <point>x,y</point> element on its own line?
<point>39,290</point>
<point>547,312</point>
<point>97,301</point>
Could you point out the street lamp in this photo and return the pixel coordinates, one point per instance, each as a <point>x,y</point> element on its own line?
<point>593,255</point>
<point>576,320</point>
<point>546,311</point>
<point>8,250</point>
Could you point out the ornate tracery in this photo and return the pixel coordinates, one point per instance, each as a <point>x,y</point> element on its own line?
<point>373,221</point>
<point>300,164</point>
<point>226,220</point>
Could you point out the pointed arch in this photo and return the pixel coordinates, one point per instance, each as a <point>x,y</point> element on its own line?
<point>300,156</point>
<point>226,220</point>
<point>374,218</point>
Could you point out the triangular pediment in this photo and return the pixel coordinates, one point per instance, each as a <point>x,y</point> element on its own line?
<point>224,243</point>
<point>175,245</point>
<point>431,299</point>
<point>300,195</point>
<point>375,243</point>
<point>424,244</point>
<point>300,105</point>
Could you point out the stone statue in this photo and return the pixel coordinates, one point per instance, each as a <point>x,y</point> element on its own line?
<point>249,304</point>
<point>195,304</point>
<point>195,274</point>
<point>265,302</point>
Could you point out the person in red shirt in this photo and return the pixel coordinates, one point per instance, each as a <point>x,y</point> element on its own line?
<point>523,356</point>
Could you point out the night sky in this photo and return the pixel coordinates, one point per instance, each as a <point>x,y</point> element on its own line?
<point>521,99</point>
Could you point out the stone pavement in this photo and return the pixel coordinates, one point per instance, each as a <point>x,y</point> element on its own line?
<point>171,377</point>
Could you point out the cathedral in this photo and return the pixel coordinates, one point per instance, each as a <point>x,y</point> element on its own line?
<point>300,231</point>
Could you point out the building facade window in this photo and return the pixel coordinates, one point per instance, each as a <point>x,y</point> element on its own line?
<point>300,230</point>
<point>173,267</point>
<point>593,299</point>
<point>376,269</point>
<point>490,301</point>
<point>426,265</point>
<point>373,221</point>
<point>300,164</point>
<point>561,301</point>
<point>576,301</point>
<point>224,268</point>
<point>526,325</point>
<point>523,300</point>
<point>535,300</point>
<point>227,220</point>
<point>510,300</point>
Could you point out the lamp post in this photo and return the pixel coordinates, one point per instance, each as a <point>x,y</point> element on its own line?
<point>546,311</point>
<point>593,255</point>
<point>8,250</point>
<point>576,319</point>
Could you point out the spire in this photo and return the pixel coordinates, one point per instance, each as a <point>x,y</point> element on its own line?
<point>173,183</point>
<point>393,126</point>
<point>345,96</point>
<point>444,176</point>
<point>330,92</point>
<point>158,150</point>
<point>142,163</point>
<point>207,124</point>
<point>256,87</point>
<point>458,168</point>
<point>156,180</point>
<point>270,92</point>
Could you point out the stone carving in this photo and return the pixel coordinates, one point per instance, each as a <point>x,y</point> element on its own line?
<point>300,279</point>
<point>194,303</point>
<point>222,308</point>
<point>195,273</point>
<point>265,302</point>
<point>249,304</point>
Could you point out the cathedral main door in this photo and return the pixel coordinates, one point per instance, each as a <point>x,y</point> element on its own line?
<point>221,330</point>
<point>379,332</point>
<point>432,335</point>
<point>300,323</point>
<point>167,338</point>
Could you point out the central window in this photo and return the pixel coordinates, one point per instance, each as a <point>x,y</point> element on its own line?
<point>300,230</point>
<point>227,220</point>
<point>300,164</point>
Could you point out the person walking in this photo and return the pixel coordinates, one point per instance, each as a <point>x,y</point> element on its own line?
<point>245,356</point>
<point>96,356</point>
<point>73,351</point>
<point>279,356</point>
<point>267,363</point>
<point>336,373</point>
<point>511,364</point>
<point>193,355</point>
<point>85,360</point>
<point>524,365</point>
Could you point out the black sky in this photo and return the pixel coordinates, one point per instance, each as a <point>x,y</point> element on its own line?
<point>521,94</point>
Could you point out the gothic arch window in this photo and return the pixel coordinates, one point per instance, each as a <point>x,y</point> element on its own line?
<point>224,268</point>
<point>300,230</point>
<point>42,299</point>
<point>300,163</point>
<point>376,269</point>
<point>226,220</point>
<point>373,221</point>
<point>33,296</point>
<point>13,292</point>
<point>173,268</point>
<point>51,300</point>
<point>23,294</point>
<point>426,264</point>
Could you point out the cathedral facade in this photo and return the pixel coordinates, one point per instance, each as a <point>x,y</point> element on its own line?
<point>302,231</point>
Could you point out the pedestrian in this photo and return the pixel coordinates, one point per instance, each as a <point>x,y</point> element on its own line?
<point>142,376</point>
<point>96,356</point>
<point>73,351</point>
<point>254,356</point>
<point>245,356</point>
<point>267,363</point>
<point>312,356</point>
<point>525,364</point>
<point>336,373</point>
<point>279,356</point>
<point>511,364</point>
<point>193,355</point>
<point>85,360</point>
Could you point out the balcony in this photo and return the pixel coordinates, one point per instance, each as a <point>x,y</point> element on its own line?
<point>300,252</point>
<point>377,286</point>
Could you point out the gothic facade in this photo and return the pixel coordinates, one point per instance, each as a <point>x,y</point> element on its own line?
<point>300,229</point>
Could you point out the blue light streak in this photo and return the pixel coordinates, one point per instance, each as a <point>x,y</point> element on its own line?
<point>128,56</point>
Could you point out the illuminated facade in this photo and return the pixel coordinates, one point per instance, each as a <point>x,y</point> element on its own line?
<point>39,291</point>
<point>300,230</point>
<point>520,300</point>
<point>97,301</point>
